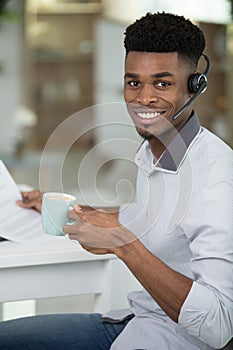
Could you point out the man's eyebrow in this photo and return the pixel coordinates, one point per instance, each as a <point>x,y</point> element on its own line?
<point>155,75</point>
<point>131,75</point>
<point>162,75</point>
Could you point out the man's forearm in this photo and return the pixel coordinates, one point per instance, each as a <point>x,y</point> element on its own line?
<point>167,287</point>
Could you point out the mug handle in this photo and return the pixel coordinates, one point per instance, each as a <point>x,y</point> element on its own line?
<point>70,221</point>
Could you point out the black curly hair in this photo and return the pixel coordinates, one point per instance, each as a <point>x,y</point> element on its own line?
<point>165,32</point>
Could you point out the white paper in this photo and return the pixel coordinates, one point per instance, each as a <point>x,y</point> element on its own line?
<point>16,224</point>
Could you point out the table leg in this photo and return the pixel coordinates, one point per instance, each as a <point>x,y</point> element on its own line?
<point>118,282</point>
<point>1,312</point>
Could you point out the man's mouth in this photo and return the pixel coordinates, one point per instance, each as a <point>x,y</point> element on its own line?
<point>149,115</point>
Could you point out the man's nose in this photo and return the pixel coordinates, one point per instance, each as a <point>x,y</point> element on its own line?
<point>147,95</point>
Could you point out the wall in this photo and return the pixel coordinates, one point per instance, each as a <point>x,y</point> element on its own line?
<point>230,81</point>
<point>11,38</point>
<point>109,79</point>
<point>198,10</point>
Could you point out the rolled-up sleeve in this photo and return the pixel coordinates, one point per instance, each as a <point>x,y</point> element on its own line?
<point>207,311</point>
<point>206,316</point>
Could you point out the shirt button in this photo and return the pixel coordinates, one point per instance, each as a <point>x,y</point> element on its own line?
<point>130,303</point>
<point>147,214</point>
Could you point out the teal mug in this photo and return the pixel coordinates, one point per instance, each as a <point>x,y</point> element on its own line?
<point>55,206</point>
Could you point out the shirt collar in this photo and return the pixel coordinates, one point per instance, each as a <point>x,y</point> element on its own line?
<point>173,156</point>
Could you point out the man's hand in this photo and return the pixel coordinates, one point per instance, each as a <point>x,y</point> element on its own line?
<point>98,231</point>
<point>32,199</point>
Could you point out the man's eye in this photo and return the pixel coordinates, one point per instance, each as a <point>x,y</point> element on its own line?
<point>133,83</point>
<point>162,84</point>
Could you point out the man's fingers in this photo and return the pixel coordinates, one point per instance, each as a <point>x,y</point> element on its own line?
<point>71,215</point>
<point>31,200</point>
<point>76,215</point>
<point>70,229</point>
<point>31,195</point>
<point>81,214</point>
<point>77,208</point>
<point>23,204</point>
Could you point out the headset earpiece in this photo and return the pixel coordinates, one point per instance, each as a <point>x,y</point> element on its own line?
<point>197,81</point>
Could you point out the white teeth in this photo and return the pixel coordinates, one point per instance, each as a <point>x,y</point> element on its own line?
<point>148,115</point>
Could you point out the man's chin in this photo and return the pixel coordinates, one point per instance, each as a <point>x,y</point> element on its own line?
<point>145,134</point>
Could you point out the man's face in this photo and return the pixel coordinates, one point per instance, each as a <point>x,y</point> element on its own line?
<point>155,88</point>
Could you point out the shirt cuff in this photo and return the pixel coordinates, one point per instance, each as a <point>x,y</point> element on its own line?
<point>205,316</point>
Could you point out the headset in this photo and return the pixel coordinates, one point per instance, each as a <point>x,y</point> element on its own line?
<point>197,84</point>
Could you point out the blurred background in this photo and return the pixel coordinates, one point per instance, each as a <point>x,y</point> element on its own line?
<point>60,57</point>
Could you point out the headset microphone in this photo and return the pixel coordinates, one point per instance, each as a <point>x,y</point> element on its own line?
<point>197,84</point>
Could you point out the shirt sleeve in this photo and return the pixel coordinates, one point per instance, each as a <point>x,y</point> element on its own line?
<point>207,311</point>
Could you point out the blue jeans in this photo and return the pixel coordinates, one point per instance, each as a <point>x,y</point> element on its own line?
<point>59,332</point>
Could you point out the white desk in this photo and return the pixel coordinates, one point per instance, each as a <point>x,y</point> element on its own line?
<point>62,268</point>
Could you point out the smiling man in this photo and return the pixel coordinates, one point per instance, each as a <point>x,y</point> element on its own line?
<point>177,238</point>
<point>155,89</point>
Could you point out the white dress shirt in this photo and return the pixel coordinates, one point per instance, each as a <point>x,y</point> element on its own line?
<point>184,215</point>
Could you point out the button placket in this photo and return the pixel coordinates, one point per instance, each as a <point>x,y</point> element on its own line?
<point>147,210</point>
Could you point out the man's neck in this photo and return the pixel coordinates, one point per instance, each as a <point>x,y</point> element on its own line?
<point>159,145</point>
